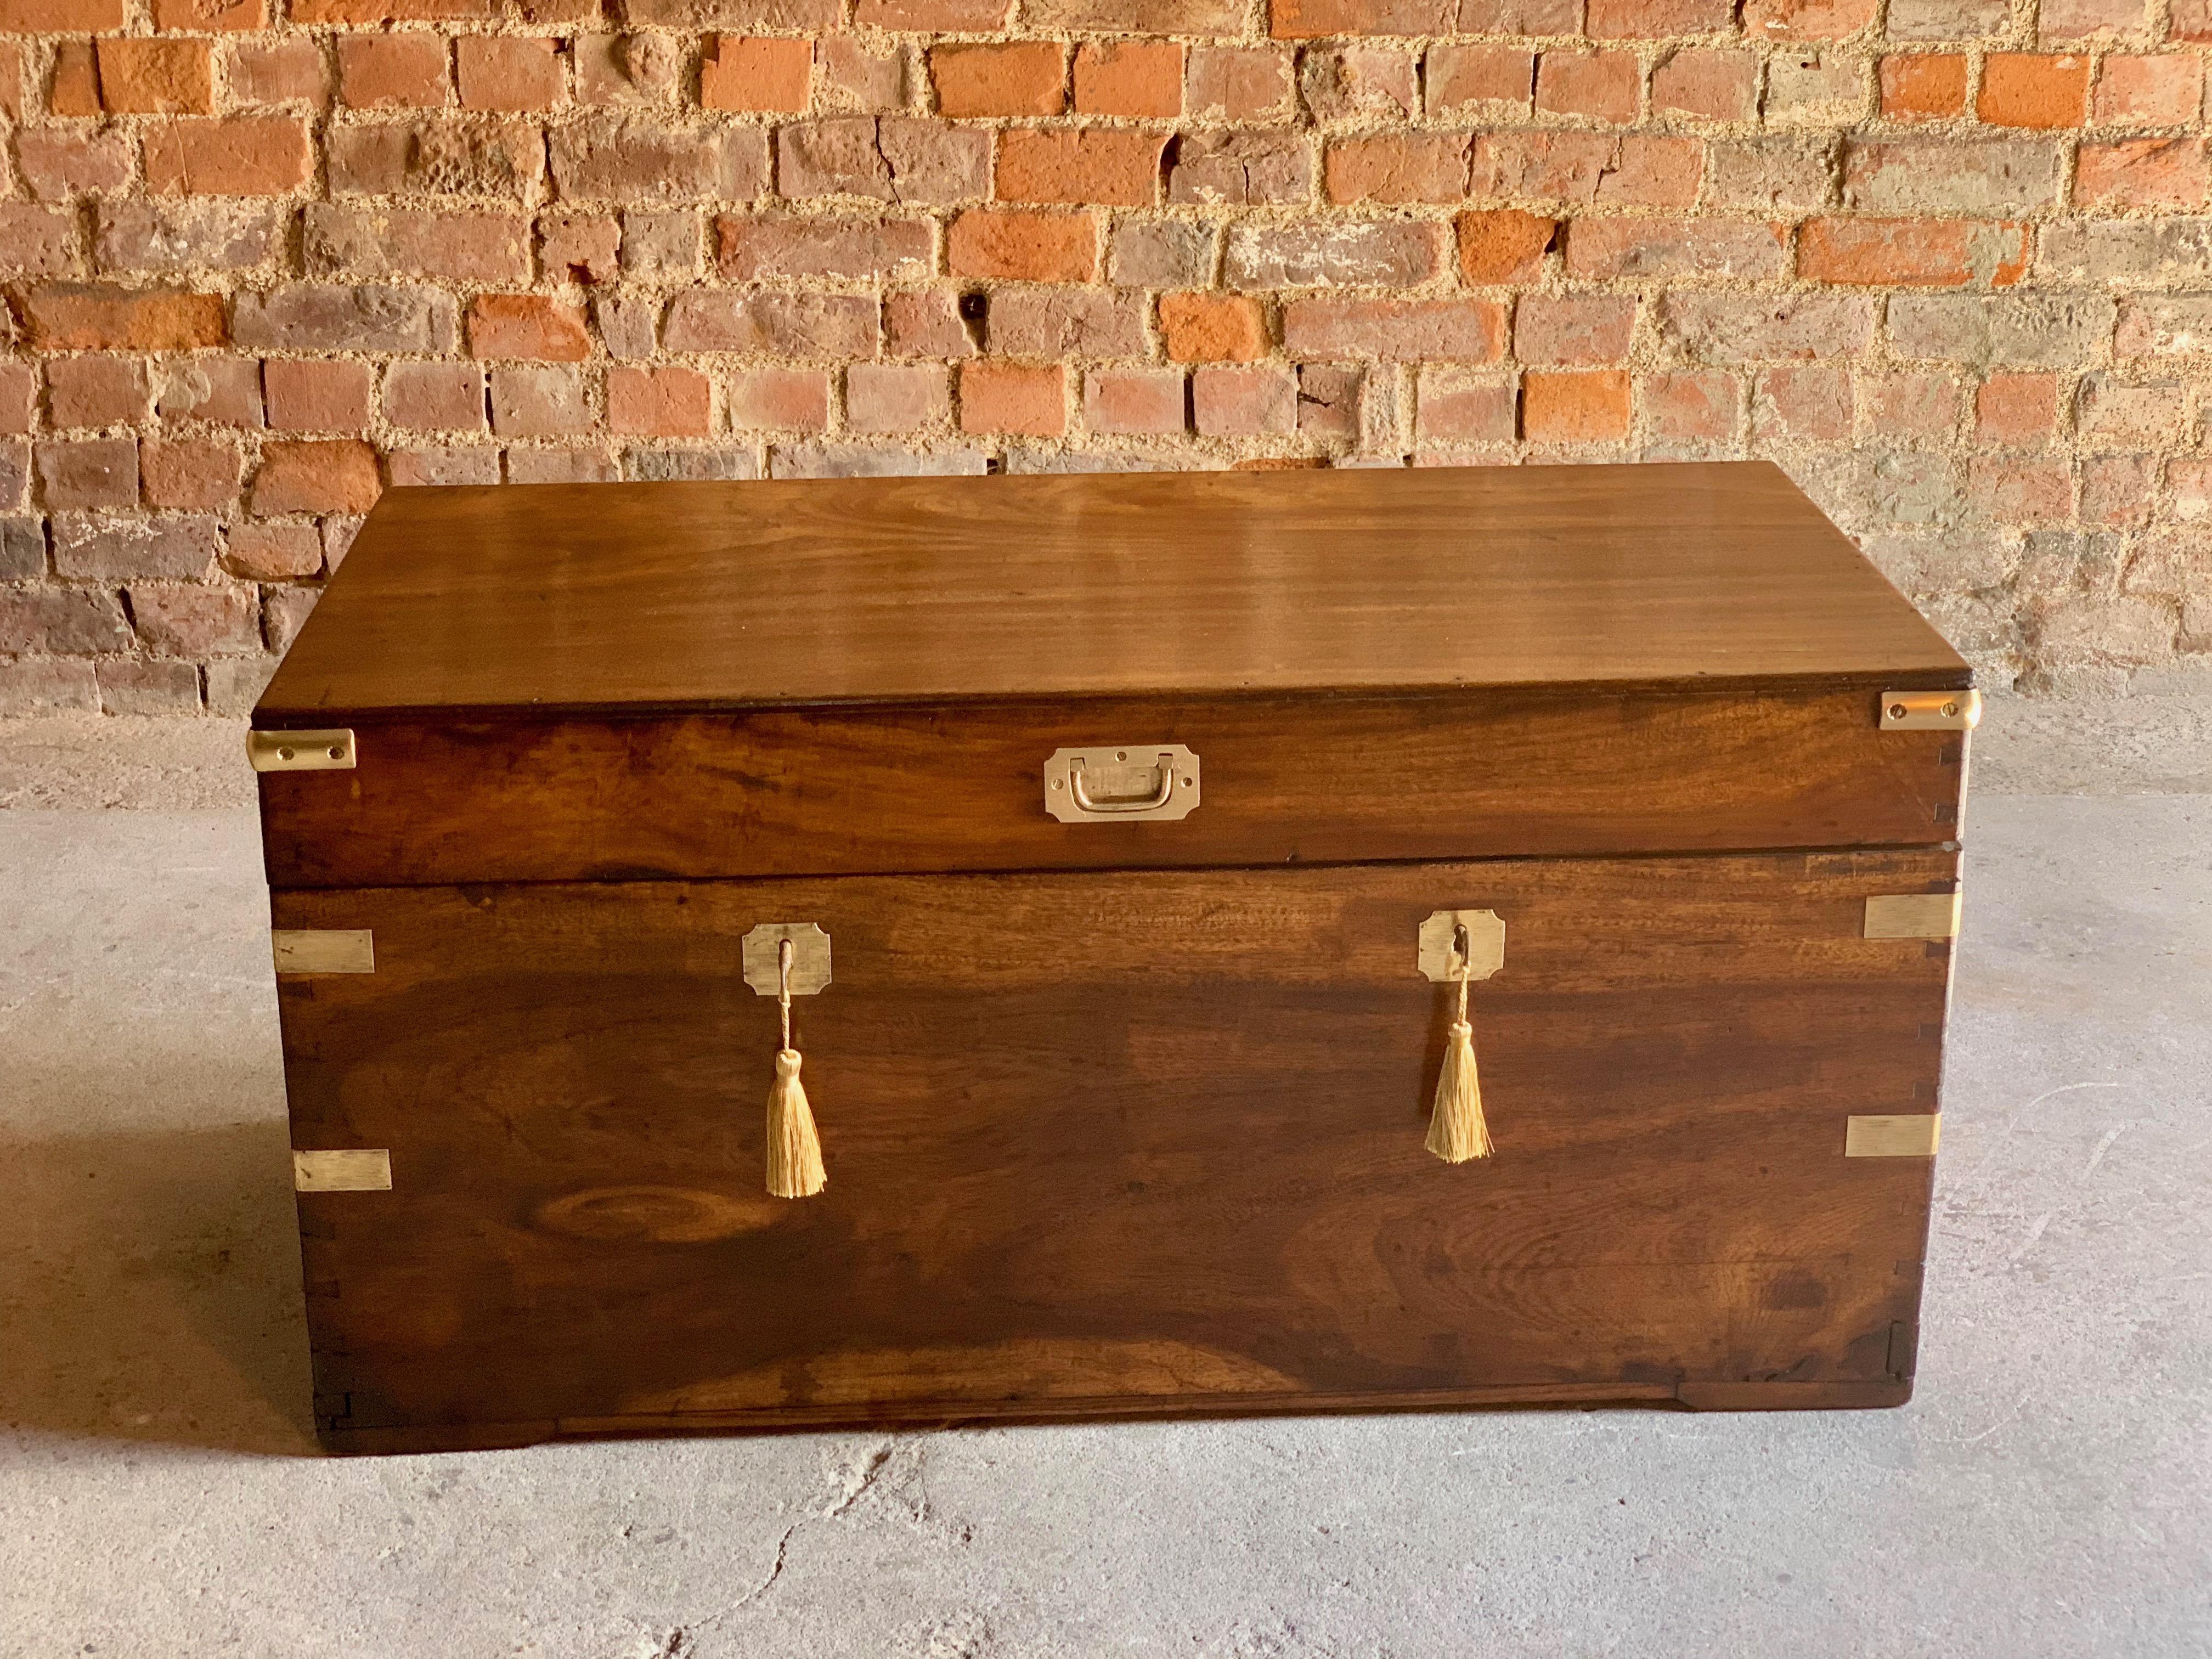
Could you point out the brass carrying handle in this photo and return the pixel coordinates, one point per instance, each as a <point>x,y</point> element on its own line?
<point>1163,791</point>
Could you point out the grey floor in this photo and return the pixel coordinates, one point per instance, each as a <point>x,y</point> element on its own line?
<point>2049,1492</point>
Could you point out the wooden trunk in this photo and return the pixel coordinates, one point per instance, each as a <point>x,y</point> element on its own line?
<point>1120,1117</point>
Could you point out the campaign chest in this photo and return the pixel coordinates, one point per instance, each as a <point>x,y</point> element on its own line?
<point>1123,850</point>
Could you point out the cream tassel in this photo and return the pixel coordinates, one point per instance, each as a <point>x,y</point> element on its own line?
<point>794,1149</point>
<point>1456,1130</point>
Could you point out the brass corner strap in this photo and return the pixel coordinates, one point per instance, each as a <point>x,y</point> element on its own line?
<point>1930,711</point>
<point>332,750</point>
<point>352,1169</point>
<point>1898,1134</point>
<point>1459,947</point>
<point>1911,915</point>
<point>785,959</point>
<point>323,950</point>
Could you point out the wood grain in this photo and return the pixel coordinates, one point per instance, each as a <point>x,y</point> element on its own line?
<point>1112,1143</point>
<point>1310,779</point>
<point>927,590</point>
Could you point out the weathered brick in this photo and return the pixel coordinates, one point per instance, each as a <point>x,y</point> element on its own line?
<point>1397,168</point>
<point>2100,20</point>
<point>223,391</point>
<point>392,72</point>
<point>2154,173</point>
<point>1587,166</point>
<point>1696,406</point>
<point>1060,321</point>
<point>628,325</point>
<point>640,164</point>
<point>1453,407</point>
<point>926,324</point>
<point>1618,20</point>
<point>1913,176</point>
<point>287,70</point>
<point>529,401</point>
<point>19,396</point>
<point>1137,17</point>
<point>779,399</point>
<point>784,324</point>
<point>758,73</point>
<point>1140,80</point>
<point>1019,77</point>
<point>1815,89</point>
<point>867,461</point>
<point>1109,166</point>
<point>434,397</point>
<point>98,316</point>
<point>889,398</point>
<point>329,317</point>
<point>1291,19</point>
<point>2016,411</point>
<point>37,685</point>
<point>61,16</point>
<point>195,619</point>
<point>1586,406</point>
<point>1160,252</point>
<point>22,548</point>
<point>124,549</point>
<point>1733,328</point>
<point>1911,252</point>
<point>1210,328</point>
<point>1807,20</point>
<point>1925,86</point>
<point>142,77</point>
<point>2113,413</point>
<point>934,164</point>
<point>1040,247</point>
<point>1331,253</point>
<point>1136,402</point>
<point>1237,169</point>
<point>527,325</point>
<point>128,686</point>
<point>562,464</point>
<point>1715,84</point>
<point>2141,249</point>
<point>1462,330</point>
<point>856,78</point>
<point>1358,82</point>
<point>14,475</point>
<point>508,73</point>
<point>626,70</point>
<point>336,475</point>
<point>1947,20</point>
<point>2167,91</point>
<point>1488,81</point>
<point>339,241</point>
<point>316,396</point>
<point>67,622</point>
<point>2027,331</point>
<point>750,247</point>
<point>1910,405</point>
<point>2178,325</point>
<point>1244,402</point>
<point>1772,175</point>
<point>2031,89</point>
<point>193,474</point>
<point>1573,328</point>
<point>87,472</point>
<point>229,156</point>
<point>1801,404</point>
<point>1666,248</point>
<point>579,247</point>
<point>1237,83</point>
<point>2020,491</point>
<point>439,466</point>
<point>73,83</point>
<point>97,391</point>
<point>1596,85</point>
<point>1014,398</point>
<point>1503,245</point>
<point>187,235</point>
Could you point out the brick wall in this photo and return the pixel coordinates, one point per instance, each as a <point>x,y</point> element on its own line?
<point>1949,261</point>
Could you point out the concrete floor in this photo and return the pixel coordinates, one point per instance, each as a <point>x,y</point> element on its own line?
<point>2049,1492</point>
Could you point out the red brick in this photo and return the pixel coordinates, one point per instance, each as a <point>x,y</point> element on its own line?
<point>895,397</point>
<point>779,399</point>
<point>2143,173</point>
<point>1295,20</point>
<point>1599,86</point>
<point>750,247</point>
<point>2099,20</point>
<point>194,619</point>
<point>1037,247</point>
<point>1911,252</point>
<point>925,325</point>
<point>97,391</point>
<point>660,402</point>
<point>508,72</point>
<point>64,620</point>
<point>1258,401</point>
<point>1456,408</point>
<point>1694,406</point>
<point>1480,80</point>
<point>1806,19</point>
<point>1718,85</point>
<point>223,391</point>
<point>274,552</point>
<point>234,156</point>
<point>58,163</point>
<point>527,325</point>
<point>434,397</point>
<point>1136,402</point>
<point>1212,328</point>
<point>2029,89</point>
<point>336,475</point>
<point>287,70</point>
<point>97,317</point>
<point>338,239</point>
<point>1925,86</point>
<point>1140,79</point>
<point>1460,331</point>
<point>311,396</point>
<point>934,16</point>
<point>2149,92</point>
<point>579,247</point>
<point>392,72</point>
<point>2020,491</point>
<point>1356,81</point>
<point>1912,404</point>
<point>60,16</point>
<point>73,88</point>
<point>757,74</point>
<point>2119,490</point>
<point>140,77</point>
<point>1573,328</point>
<point>1593,406</point>
<point>211,16</point>
<point>1014,398</point>
<point>2016,409</point>
<point>1654,20</point>
<point>19,396</point>
<point>1607,247</point>
<point>1503,245</point>
<point>1022,77</point>
<point>191,474</point>
<point>87,472</point>
<point>533,401</point>
<point>1238,83</point>
<point>11,80</point>
<point>1109,166</point>
<point>1809,404</point>
<point>1397,167</point>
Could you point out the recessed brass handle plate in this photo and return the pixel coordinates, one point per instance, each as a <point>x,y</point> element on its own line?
<point>1912,915</point>
<point>810,958</point>
<point>1930,711</point>
<point>355,1169</point>
<point>1121,783</point>
<point>301,751</point>
<point>1903,1134</point>
<point>324,949</point>
<point>1440,957</point>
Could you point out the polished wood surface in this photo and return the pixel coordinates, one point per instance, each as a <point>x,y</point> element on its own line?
<point>929,590</point>
<point>812,792</point>
<point>1113,1142</point>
